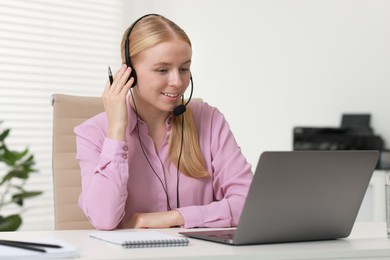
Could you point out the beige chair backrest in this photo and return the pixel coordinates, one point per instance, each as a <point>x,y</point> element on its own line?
<point>69,111</point>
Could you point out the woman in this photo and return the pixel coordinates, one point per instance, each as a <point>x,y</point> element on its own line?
<point>129,155</point>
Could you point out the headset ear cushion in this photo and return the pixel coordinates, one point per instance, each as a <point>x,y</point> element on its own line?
<point>133,75</point>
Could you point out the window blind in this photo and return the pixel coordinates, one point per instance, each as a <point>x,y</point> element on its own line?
<point>50,47</point>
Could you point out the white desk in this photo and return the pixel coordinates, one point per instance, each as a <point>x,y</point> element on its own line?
<point>367,241</point>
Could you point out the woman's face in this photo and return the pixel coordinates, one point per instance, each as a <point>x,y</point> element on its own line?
<point>163,72</point>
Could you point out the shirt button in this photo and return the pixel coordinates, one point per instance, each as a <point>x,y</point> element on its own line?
<point>125,148</point>
<point>124,156</point>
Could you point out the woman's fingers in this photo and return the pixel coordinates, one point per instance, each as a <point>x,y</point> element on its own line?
<point>166,219</point>
<point>114,101</point>
<point>128,85</point>
<point>118,83</point>
<point>121,83</point>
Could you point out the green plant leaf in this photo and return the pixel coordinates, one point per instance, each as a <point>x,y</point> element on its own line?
<point>19,187</point>
<point>29,161</point>
<point>7,177</point>
<point>4,134</point>
<point>10,223</point>
<point>19,155</point>
<point>19,198</point>
<point>8,157</point>
<point>20,173</point>
<point>14,157</point>
<point>15,173</point>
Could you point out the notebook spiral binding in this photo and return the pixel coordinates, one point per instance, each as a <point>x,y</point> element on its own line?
<point>156,243</point>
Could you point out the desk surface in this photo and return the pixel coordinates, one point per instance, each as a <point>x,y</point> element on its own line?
<point>367,241</point>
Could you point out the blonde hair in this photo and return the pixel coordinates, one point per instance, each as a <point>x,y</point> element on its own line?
<point>147,32</point>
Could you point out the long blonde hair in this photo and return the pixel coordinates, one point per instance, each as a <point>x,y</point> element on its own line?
<point>147,32</point>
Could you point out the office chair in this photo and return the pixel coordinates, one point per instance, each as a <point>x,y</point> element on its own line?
<point>69,111</point>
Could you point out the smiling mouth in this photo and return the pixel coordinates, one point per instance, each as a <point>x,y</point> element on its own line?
<point>170,95</point>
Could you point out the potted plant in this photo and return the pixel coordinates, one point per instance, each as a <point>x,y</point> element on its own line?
<point>15,169</point>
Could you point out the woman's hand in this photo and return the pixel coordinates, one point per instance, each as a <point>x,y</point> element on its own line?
<point>114,100</point>
<point>156,220</point>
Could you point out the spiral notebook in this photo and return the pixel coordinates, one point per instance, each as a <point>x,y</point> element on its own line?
<point>140,239</point>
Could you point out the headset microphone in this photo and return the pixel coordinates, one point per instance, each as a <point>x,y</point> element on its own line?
<point>180,109</point>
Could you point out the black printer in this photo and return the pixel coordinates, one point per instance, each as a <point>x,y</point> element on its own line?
<point>354,133</point>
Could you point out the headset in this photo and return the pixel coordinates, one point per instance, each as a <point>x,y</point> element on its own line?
<point>177,111</point>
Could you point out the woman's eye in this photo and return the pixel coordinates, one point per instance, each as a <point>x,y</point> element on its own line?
<point>162,70</point>
<point>184,70</point>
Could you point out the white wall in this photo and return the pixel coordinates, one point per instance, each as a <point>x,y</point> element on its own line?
<point>272,65</point>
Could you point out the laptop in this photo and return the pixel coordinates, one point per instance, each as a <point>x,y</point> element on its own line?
<point>300,196</point>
